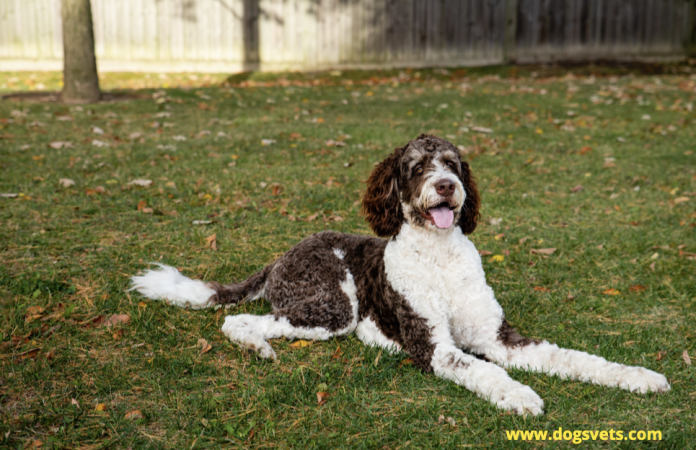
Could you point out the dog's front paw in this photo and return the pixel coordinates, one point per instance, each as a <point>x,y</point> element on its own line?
<point>522,400</point>
<point>642,380</point>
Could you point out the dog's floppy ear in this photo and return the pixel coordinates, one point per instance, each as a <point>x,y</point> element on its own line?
<point>381,205</point>
<point>470,212</point>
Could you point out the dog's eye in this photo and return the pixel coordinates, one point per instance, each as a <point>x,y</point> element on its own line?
<point>418,169</point>
<point>451,165</point>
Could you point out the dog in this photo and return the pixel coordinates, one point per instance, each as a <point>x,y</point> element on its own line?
<point>422,290</point>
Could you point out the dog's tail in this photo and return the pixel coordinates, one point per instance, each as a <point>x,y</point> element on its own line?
<point>170,285</point>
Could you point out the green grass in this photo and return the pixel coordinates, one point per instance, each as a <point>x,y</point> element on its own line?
<point>71,250</point>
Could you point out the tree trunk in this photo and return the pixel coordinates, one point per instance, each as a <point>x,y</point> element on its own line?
<point>80,80</point>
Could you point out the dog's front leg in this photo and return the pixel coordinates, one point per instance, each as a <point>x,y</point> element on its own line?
<point>485,379</point>
<point>512,350</point>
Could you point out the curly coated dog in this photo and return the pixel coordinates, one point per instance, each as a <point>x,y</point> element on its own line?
<point>422,290</point>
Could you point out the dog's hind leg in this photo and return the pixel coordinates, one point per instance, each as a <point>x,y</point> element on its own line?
<point>329,310</point>
<point>253,332</point>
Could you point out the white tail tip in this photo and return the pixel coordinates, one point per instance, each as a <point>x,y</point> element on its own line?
<point>170,285</point>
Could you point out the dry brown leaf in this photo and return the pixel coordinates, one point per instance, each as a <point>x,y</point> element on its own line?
<point>542,251</point>
<point>35,444</point>
<point>277,189</point>
<point>34,310</point>
<point>211,241</point>
<point>661,354</point>
<point>100,407</point>
<point>577,188</point>
<point>301,344</point>
<point>204,346</point>
<point>135,414</point>
<point>66,182</point>
<point>541,288</point>
<point>33,353</point>
<point>686,358</point>
<point>312,217</point>
<point>637,288</point>
<point>141,205</point>
<point>680,200</point>
<point>485,252</point>
<point>611,291</point>
<point>118,334</point>
<point>322,397</point>
<point>74,402</point>
<point>116,319</point>
<point>406,362</point>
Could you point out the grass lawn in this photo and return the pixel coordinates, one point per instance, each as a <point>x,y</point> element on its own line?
<point>600,168</point>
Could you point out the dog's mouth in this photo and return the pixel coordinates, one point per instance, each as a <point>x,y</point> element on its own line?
<point>440,215</point>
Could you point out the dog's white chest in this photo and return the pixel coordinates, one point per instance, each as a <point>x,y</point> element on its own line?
<point>442,278</point>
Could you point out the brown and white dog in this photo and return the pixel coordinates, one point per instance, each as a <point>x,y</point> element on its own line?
<point>422,290</point>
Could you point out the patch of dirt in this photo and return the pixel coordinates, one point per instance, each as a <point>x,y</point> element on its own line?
<point>54,97</point>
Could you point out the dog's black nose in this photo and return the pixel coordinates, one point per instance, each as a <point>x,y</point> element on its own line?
<point>444,187</point>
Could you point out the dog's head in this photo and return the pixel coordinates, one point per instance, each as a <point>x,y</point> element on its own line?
<point>424,184</point>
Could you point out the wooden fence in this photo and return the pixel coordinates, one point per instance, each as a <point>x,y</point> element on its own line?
<point>236,35</point>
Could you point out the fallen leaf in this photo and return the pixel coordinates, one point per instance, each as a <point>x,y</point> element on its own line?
<point>686,358</point>
<point>277,189</point>
<point>33,353</point>
<point>59,144</point>
<point>541,288</point>
<point>211,241</point>
<point>202,222</point>
<point>9,195</point>
<point>34,309</point>
<point>661,354</point>
<point>577,188</point>
<point>301,344</point>
<point>637,288</point>
<point>322,397</point>
<point>116,319</point>
<point>499,237</point>
<point>100,407</point>
<point>118,334</point>
<point>66,182</point>
<point>680,200</point>
<point>337,354</point>
<point>611,291</point>
<point>406,362</point>
<point>652,266</point>
<point>542,251</point>
<point>35,444</point>
<point>135,414</point>
<point>485,252</point>
<point>204,346</point>
<point>451,421</point>
<point>497,258</point>
<point>74,402</point>
<point>141,205</point>
<point>482,129</point>
<point>268,141</point>
<point>148,210</point>
<point>585,149</point>
<point>140,182</point>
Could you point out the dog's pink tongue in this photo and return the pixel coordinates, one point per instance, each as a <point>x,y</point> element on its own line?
<point>442,216</point>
